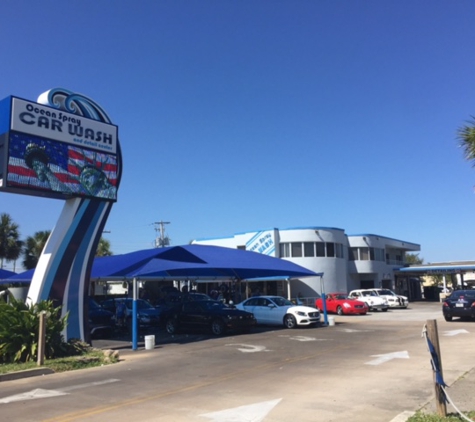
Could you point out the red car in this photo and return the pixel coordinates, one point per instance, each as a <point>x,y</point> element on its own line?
<point>341,304</point>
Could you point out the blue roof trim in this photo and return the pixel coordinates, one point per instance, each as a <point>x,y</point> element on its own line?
<point>312,228</point>
<point>383,237</point>
<point>439,268</point>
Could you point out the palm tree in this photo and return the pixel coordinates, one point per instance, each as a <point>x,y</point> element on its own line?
<point>34,245</point>
<point>466,136</point>
<point>103,248</point>
<point>10,244</point>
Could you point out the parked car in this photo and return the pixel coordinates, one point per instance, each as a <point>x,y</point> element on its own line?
<point>460,303</point>
<point>148,316</point>
<point>276,310</point>
<point>341,304</point>
<point>101,321</point>
<point>209,315</point>
<point>173,301</point>
<point>374,302</point>
<point>394,300</point>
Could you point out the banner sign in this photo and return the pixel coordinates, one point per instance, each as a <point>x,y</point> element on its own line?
<point>49,152</point>
<point>262,242</point>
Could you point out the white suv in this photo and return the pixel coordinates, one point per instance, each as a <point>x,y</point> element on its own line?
<point>394,300</point>
<point>370,297</point>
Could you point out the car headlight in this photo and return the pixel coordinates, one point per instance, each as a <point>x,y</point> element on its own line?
<point>300,313</point>
<point>347,305</point>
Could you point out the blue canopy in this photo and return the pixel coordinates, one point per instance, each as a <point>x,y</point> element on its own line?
<point>24,277</point>
<point>4,274</point>
<point>196,262</point>
<point>192,262</point>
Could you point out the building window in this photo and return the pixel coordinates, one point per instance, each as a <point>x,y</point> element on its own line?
<point>339,250</point>
<point>330,249</point>
<point>309,249</point>
<point>352,254</point>
<point>371,254</point>
<point>320,248</point>
<point>296,250</point>
<point>364,254</point>
<point>284,250</point>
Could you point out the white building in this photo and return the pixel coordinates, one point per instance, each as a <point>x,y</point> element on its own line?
<point>347,261</point>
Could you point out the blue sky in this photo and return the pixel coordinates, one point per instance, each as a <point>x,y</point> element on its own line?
<point>242,115</point>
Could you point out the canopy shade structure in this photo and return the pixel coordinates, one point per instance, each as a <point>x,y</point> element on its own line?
<point>5,273</point>
<point>190,262</point>
<point>24,277</point>
<point>195,262</point>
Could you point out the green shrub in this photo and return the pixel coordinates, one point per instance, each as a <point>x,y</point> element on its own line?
<point>19,327</point>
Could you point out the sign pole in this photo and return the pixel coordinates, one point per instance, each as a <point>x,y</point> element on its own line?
<point>433,336</point>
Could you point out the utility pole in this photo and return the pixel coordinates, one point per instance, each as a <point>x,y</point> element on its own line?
<point>161,240</point>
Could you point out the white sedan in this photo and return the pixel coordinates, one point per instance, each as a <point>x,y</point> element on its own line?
<point>394,300</point>
<point>370,297</point>
<point>276,310</point>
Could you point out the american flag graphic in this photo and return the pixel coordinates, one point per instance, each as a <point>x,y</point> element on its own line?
<point>64,161</point>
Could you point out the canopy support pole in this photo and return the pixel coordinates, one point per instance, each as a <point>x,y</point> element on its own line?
<point>324,301</point>
<point>134,316</point>
<point>288,288</point>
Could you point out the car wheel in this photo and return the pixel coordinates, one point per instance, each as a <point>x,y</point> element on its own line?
<point>171,326</point>
<point>289,321</point>
<point>339,310</point>
<point>385,309</point>
<point>217,327</point>
<point>448,317</point>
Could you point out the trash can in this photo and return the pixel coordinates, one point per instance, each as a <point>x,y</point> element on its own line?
<point>149,342</point>
<point>331,321</point>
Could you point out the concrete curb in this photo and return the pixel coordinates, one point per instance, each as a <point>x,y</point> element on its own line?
<point>26,374</point>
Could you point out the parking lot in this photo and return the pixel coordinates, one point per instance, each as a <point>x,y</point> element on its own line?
<point>365,368</point>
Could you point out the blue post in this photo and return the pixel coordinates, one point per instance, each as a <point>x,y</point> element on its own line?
<point>324,301</point>
<point>134,317</point>
<point>325,315</point>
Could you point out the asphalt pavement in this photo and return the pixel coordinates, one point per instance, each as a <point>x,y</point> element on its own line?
<point>460,388</point>
<point>460,392</point>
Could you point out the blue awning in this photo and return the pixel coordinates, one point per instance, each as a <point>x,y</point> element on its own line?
<point>190,262</point>
<point>196,262</point>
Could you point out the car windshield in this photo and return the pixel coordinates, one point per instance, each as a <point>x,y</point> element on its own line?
<point>94,305</point>
<point>462,293</point>
<point>281,301</point>
<point>141,304</point>
<point>340,296</point>
<point>386,292</point>
<point>367,293</point>
<point>214,304</point>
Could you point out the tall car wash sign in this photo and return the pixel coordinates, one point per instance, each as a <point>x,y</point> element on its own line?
<point>54,153</point>
<point>65,147</point>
